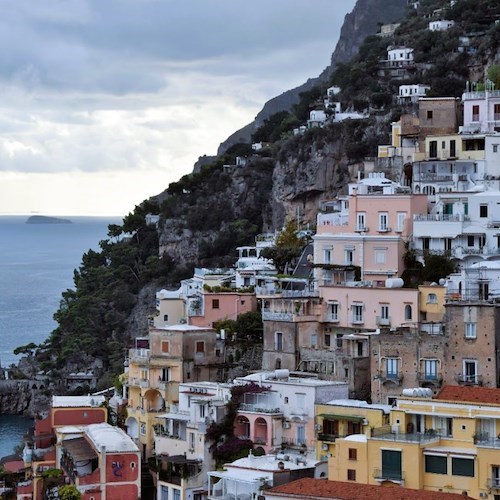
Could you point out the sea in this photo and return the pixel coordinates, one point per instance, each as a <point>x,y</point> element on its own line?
<point>37,262</point>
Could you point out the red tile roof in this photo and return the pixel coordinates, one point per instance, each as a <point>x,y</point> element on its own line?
<point>312,489</point>
<point>470,394</point>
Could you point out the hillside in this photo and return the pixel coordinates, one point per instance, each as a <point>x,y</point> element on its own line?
<point>221,205</point>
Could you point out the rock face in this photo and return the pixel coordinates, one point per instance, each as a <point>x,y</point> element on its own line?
<point>360,23</point>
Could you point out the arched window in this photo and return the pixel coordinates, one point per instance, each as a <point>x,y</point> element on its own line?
<point>432,298</point>
<point>278,363</point>
<point>408,312</point>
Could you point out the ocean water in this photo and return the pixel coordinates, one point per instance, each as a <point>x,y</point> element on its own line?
<point>36,266</point>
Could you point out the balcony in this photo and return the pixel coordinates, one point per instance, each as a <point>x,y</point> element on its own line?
<point>138,382</point>
<point>385,433</point>
<point>139,356</point>
<point>384,229</point>
<point>328,438</point>
<point>388,475</point>
<point>276,316</point>
<point>494,483</point>
<point>395,378</point>
<point>260,408</point>
<point>294,443</point>
<point>464,379</point>
<point>383,321</point>
<point>430,379</point>
<point>357,320</point>
<point>361,229</point>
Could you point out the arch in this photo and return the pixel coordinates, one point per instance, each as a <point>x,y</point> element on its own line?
<point>242,427</point>
<point>408,312</point>
<point>132,427</point>
<point>154,400</point>
<point>278,364</point>
<point>260,431</point>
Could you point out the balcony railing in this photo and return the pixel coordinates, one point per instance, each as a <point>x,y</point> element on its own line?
<point>260,408</point>
<point>440,218</point>
<point>494,483</point>
<point>427,378</point>
<point>293,442</point>
<point>385,434</point>
<point>388,475</point>
<point>329,438</point>
<point>384,376</point>
<point>464,379</point>
<point>383,321</point>
<point>276,316</point>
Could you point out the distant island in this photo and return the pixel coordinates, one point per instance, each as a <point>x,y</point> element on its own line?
<point>43,219</point>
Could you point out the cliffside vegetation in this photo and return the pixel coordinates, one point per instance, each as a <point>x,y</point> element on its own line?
<point>206,215</point>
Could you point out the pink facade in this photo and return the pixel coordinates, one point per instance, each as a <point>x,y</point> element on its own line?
<point>370,307</point>
<point>223,305</point>
<point>370,234</point>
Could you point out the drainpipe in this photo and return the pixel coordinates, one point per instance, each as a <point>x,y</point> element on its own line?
<point>103,473</point>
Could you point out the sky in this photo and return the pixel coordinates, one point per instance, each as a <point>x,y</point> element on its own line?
<point>105,102</point>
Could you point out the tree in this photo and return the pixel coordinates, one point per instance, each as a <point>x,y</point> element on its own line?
<point>493,74</point>
<point>69,492</point>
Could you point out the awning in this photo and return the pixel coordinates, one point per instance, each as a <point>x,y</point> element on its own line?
<point>349,418</point>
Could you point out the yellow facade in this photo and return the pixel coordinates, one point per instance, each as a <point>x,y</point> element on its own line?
<point>430,444</point>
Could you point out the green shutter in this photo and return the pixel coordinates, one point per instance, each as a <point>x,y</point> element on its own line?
<point>391,464</point>
<point>436,464</point>
<point>462,467</point>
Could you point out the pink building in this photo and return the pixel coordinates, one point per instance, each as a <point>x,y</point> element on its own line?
<point>366,230</point>
<point>217,306</point>
<point>368,308</point>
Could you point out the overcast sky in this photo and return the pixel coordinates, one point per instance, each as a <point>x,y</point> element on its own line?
<point>105,102</point>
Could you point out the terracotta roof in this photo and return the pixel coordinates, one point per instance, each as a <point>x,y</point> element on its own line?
<point>470,394</point>
<point>312,489</point>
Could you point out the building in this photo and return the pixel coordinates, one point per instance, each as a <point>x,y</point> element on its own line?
<point>100,460</point>
<point>441,25</point>
<point>412,93</point>
<point>481,111</point>
<point>183,458</point>
<point>444,443</point>
<point>168,356</point>
<point>282,416</point>
<point>250,477</point>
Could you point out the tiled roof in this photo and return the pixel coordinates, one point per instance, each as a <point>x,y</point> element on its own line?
<point>470,394</point>
<point>309,489</point>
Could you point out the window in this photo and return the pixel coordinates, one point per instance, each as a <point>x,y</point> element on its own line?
<point>327,256</point>
<point>301,434</point>
<point>331,427</point>
<point>314,340</point>
<point>165,375</point>
<point>349,256</point>
<point>200,346</point>
<point>432,298</point>
<point>470,371</point>
<point>430,369</point>
<point>495,148</point>
<point>339,340</point>
<point>351,474</point>
<point>433,149</point>
<point>483,211</point>
<point>475,113</point>
<point>165,346</point>
<point>384,311</point>
<point>202,411</point>
<point>436,464</point>
<point>215,303</point>
<point>462,466</point>
<point>392,367</point>
<point>333,311</point>
<point>357,313</point>
<point>360,348</point>
<point>176,494</point>
<point>143,428</point>
<point>191,440</point>
<point>361,221</point>
<point>470,330</point>
<point>496,112</point>
<point>470,241</point>
<point>353,454</point>
<point>391,464</point>
<point>453,149</point>
<point>400,221</point>
<point>408,312</point>
<point>132,465</point>
<point>429,114</point>
<point>327,340</point>
<point>380,256</point>
<point>277,365</point>
<point>144,374</point>
<point>165,317</point>
<point>383,221</point>
<point>278,341</point>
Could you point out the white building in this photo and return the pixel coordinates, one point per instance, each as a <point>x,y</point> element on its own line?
<point>180,442</point>
<point>399,56</point>
<point>481,111</point>
<point>412,93</point>
<point>442,25</point>
<point>246,478</point>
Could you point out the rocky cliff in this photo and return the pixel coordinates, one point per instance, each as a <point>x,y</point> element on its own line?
<point>364,20</point>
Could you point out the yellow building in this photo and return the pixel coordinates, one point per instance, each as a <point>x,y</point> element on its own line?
<point>345,417</point>
<point>449,443</point>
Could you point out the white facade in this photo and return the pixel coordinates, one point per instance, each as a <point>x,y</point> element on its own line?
<point>481,111</point>
<point>411,93</point>
<point>400,55</point>
<point>465,226</point>
<point>440,25</point>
